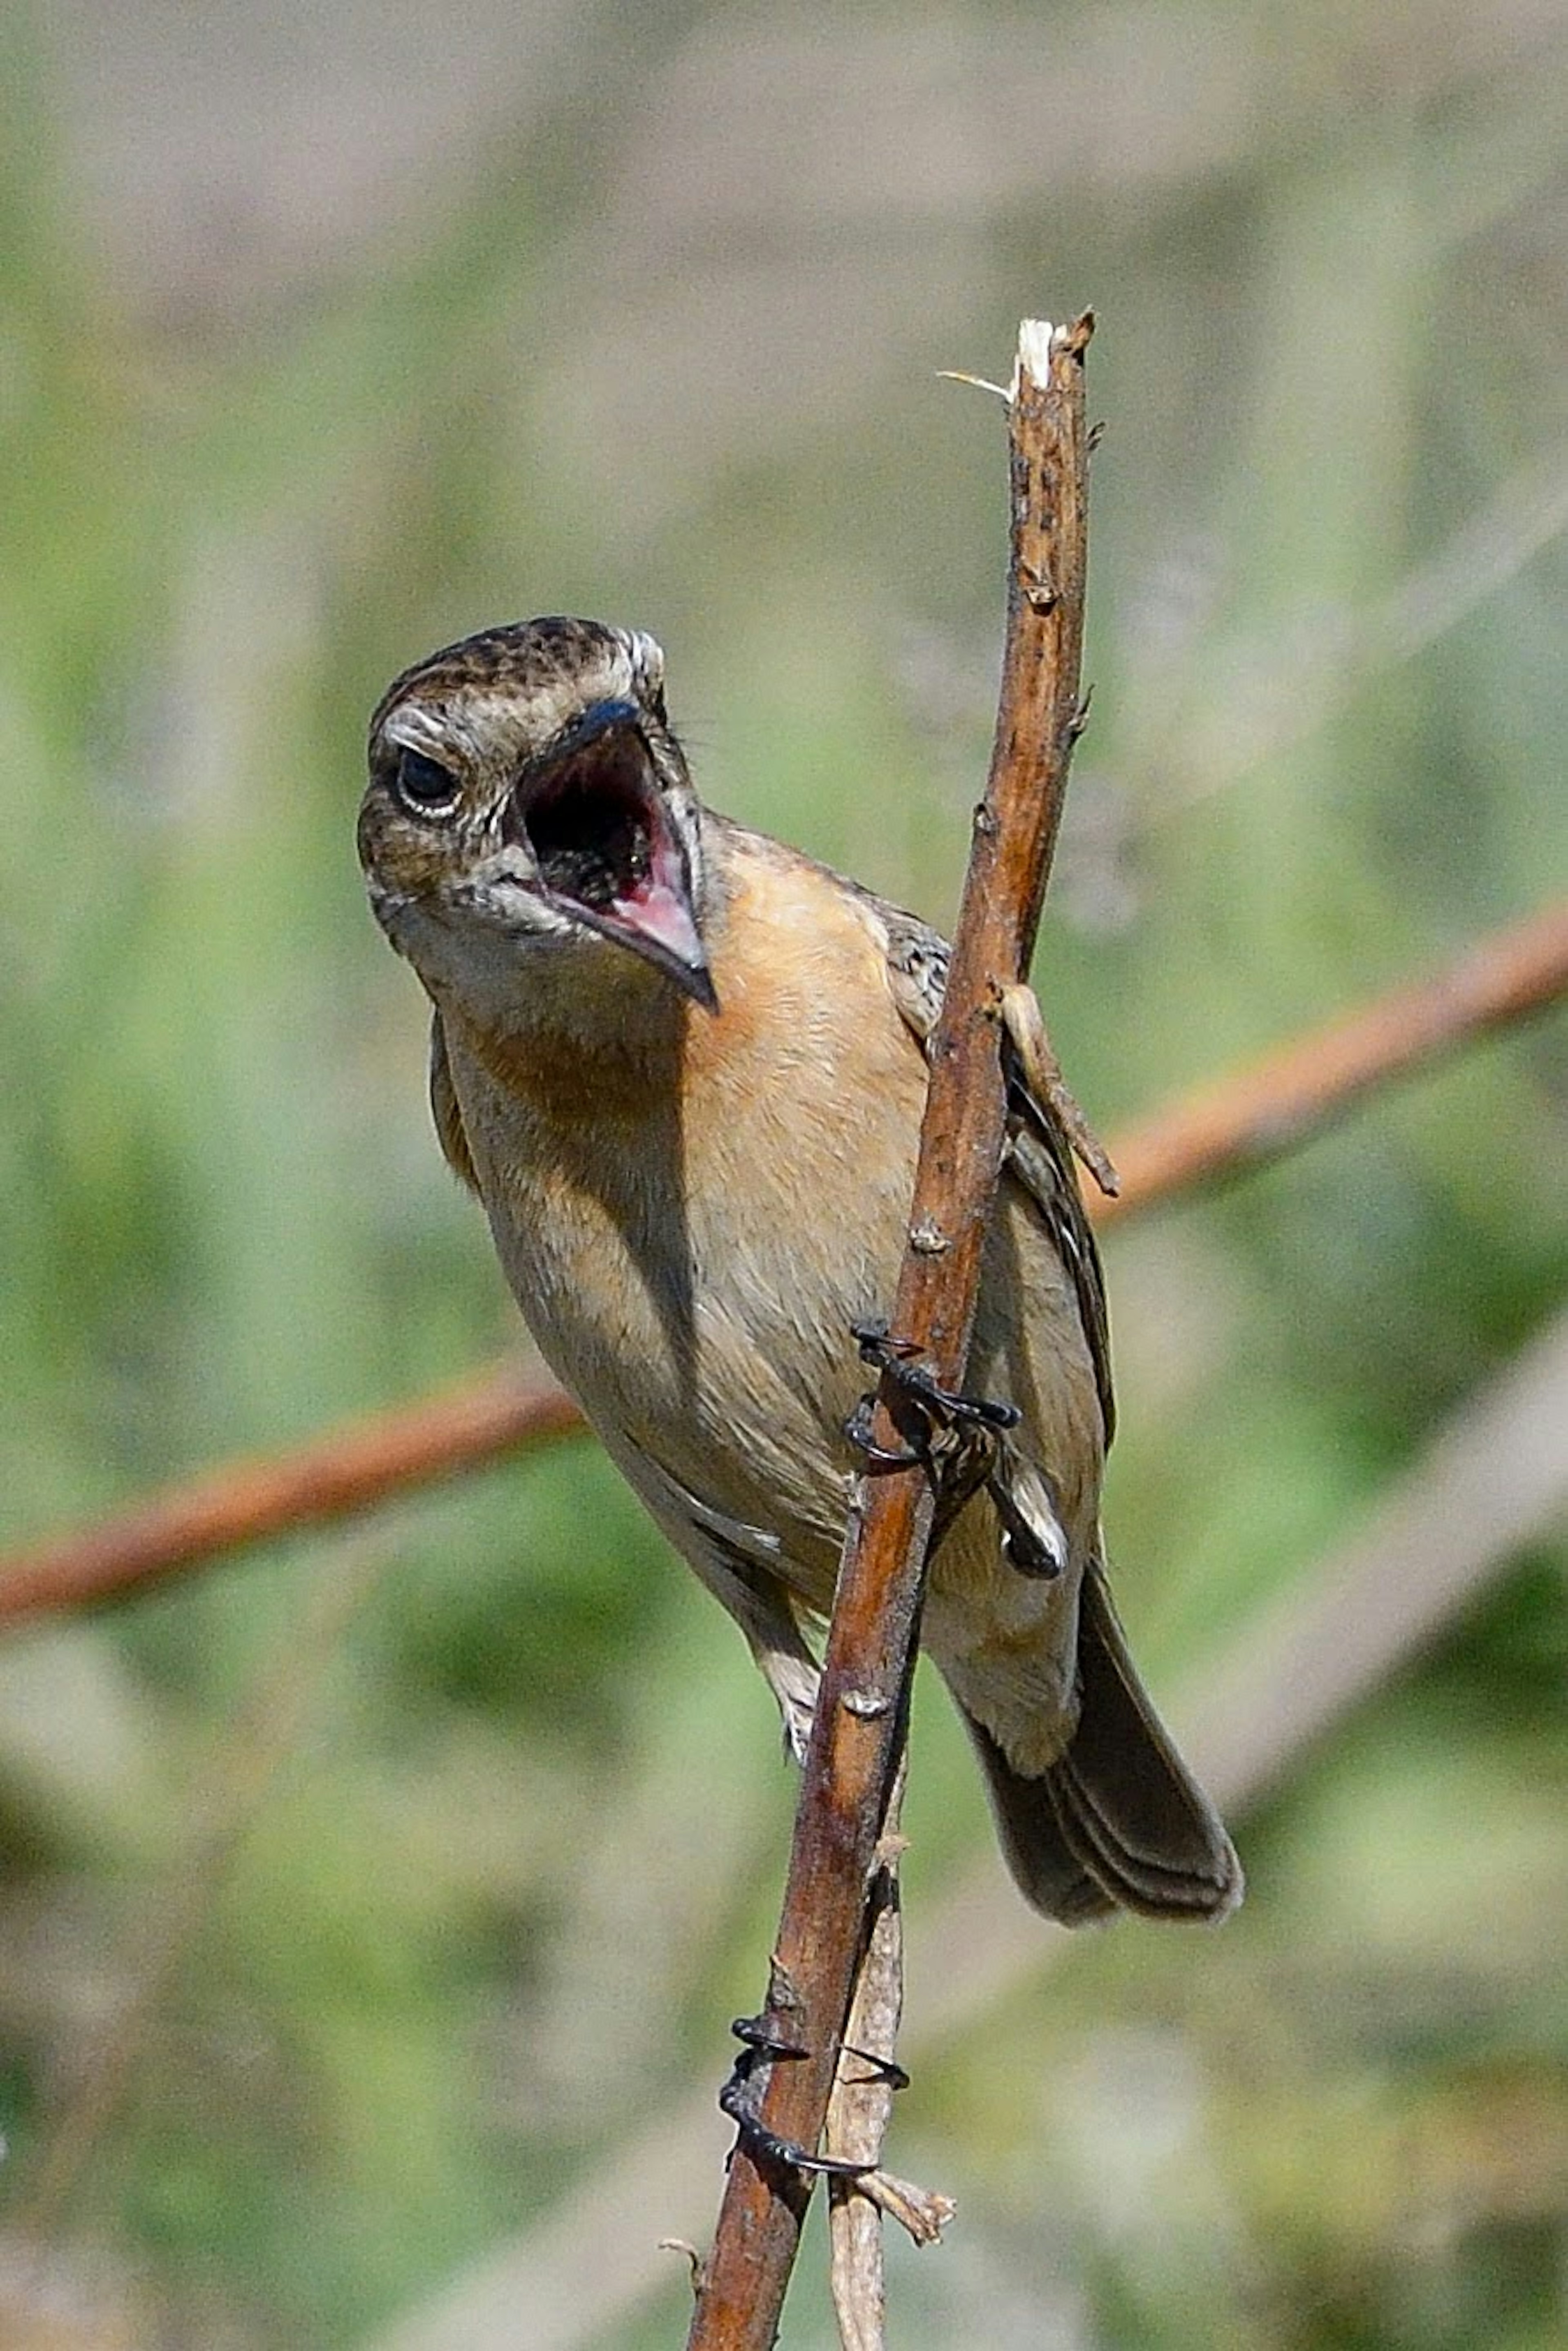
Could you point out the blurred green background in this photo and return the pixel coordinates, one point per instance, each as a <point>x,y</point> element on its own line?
<point>358,1900</point>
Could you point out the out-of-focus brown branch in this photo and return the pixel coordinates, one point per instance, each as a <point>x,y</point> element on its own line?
<point>1223,1128</point>
<point>244,1501</point>
<point>858,1736</point>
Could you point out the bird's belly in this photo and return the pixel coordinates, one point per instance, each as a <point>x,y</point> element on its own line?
<point>720,1347</point>
<point>693,1279</point>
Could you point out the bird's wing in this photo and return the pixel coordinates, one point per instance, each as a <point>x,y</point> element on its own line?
<point>741,1566</point>
<point>1040,1157</point>
<point>443,1108</point>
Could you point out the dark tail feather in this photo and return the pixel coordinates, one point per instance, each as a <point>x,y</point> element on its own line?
<point>1118,1821</point>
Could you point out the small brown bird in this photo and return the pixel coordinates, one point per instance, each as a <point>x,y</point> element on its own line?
<point>683,1068</point>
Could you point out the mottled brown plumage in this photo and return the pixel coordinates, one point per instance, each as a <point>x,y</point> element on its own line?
<point>682,1066</point>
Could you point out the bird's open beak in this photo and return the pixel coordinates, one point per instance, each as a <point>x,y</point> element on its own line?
<point>608,848</point>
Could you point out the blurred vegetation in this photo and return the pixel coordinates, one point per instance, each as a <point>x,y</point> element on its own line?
<point>406,1870</point>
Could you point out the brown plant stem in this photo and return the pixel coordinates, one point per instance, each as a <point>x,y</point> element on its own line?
<point>1221,1129</point>
<point>858,1735</point>
<point>1484,1482</point>
<point>860,2110</point>
<point>860,2105</point>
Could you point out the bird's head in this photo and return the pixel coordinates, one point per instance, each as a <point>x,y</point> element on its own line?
<point>528,805</point>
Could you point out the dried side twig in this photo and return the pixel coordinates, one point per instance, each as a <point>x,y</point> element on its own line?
<point>1276,1104</point>
<point>857,1739</point>
<point>861,2107</point>
<point>859,2112</point>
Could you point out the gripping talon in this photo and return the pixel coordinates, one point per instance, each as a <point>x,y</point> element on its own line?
<point>857,1429</point>
<point>984,1410</point>
<point>761,2047</point>
<point>876,1341</point>
<point>783,2154</point>
<point>882,2069</point>
<point>761,2042</point>
<point>895,1357</point>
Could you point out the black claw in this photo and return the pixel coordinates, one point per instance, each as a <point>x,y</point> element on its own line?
<point>761,2041</point>
<point>885,1353</point>
<point>738,2100</point>
<point>984,1410</point>
<point>876,1342</point>
<point>766,2146</point>
<point>857,1429</point>
<point>882,2069</point>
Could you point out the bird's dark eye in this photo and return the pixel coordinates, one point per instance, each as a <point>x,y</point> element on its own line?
<point>423,785</point>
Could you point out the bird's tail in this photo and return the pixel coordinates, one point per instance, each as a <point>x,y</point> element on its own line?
<point>1117,1822</point>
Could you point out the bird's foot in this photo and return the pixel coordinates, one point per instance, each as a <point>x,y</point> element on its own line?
<point>882,2069</point>
<point>948,1408</point>
<point>955,1438</point>
<point>762,2046</point>
<point>858,1430</point>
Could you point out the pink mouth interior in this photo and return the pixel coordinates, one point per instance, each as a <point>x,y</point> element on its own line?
<point>604,848</point>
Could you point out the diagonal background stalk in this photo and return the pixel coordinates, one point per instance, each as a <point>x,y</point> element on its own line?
<point>1219,1129</point>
